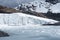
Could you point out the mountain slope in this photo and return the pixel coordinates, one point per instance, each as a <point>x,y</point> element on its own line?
<point>13,3</point>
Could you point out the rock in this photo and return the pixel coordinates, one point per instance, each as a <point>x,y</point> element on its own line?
<point>3,34</point>
<point>55,24</point>
<point>52,1</point>
<point>7,10</point>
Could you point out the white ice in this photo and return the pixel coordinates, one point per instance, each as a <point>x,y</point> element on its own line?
<point>27,31</point>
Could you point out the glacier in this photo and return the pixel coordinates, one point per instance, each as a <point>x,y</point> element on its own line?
<point>22,26</point>
<point>24,19</point>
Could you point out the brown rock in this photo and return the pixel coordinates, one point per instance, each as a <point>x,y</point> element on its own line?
<point>7,10</point>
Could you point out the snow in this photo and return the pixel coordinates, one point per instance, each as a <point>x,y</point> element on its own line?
<point>43,7</point>
<point>41,10</point>
<point>55,8</point>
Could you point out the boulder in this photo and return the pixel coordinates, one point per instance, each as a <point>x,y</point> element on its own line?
<point>3,34</point>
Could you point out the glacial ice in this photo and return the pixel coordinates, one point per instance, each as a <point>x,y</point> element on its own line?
<point>27,27</point>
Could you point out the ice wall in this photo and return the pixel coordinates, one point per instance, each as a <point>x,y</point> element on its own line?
<point>22,19</point>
